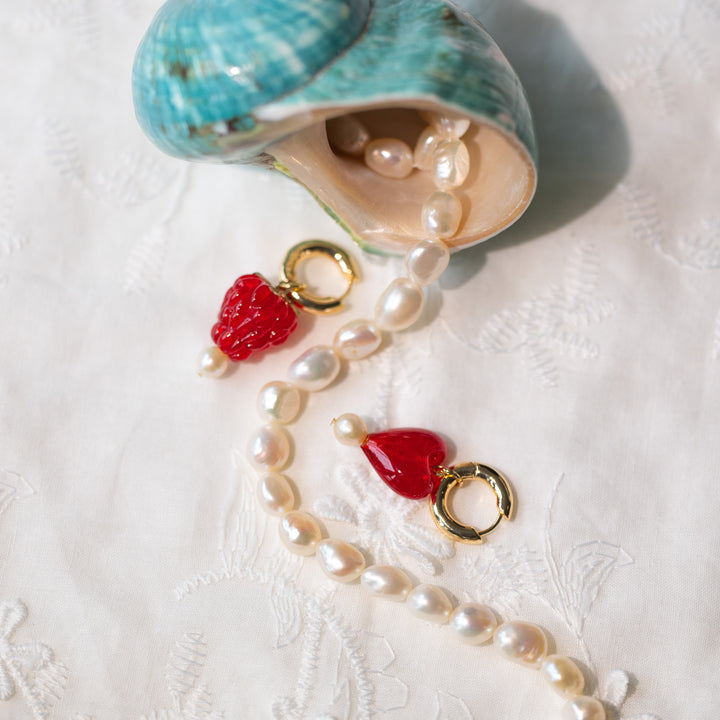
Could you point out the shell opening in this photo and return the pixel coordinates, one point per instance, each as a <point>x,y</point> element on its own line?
<point>385,213</point>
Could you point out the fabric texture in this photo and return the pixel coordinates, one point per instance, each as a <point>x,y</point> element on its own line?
<point>578,352</point>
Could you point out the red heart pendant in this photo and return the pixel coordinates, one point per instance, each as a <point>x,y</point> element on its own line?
<point>253,317</point>
<point>406,459</point>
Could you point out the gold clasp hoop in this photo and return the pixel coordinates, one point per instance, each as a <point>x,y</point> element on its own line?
<point>456,476</point>
<point>297,292</point>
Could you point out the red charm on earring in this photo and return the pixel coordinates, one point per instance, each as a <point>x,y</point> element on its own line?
<point>407,459</point>
<point>410,461</point>
<point>256,315</point>
<point>253,317</point>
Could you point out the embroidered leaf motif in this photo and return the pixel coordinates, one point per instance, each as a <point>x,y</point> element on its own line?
<point>242,533</point>
<point>11,239</point>
<point>286,605</point>
<point>185,662</point>
<point>715,352</point>
<point>583,573</point>
<point>450,707</point>
<point>390,692</point>
<point>501,578</point>
<point>147,257</point>
<point>615,688</point>
<point>61,146</point>
<point>334,508</point>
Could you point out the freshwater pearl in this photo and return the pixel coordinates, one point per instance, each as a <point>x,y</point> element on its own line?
<point>357,339</point>
<point>340,560</point>
<point>212,362</point>
<point>347,134</point>
<point>451,164</point>
<point>454,126</point>
<point>521,642</point>
<point>278,401</point>
<point>386,581</point>
<point>300,532</point>
<point>315,369</point>
<point>429,602</point>
<point>441,214</point>
<point>583,708</point>
<point>389,157</point>
<point>350,429</point>
<point>425,148</point>
<point>400,305</point>
<point>269,447</point>
<point>427,260</point>
<point>275,494</point>
<point>563,675</point>
<point>473,623</point>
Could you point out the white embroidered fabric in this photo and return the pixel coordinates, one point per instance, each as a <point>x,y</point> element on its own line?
<point>578,352</point>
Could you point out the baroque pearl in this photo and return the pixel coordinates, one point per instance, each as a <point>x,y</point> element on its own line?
<point>583,708</point>
<point>340,560</point>
<point>441,214</point>
<point>300,532</point>
<point>269,447</point>
<point>315,369</point>
<point>278,401</point>
<point>521,642</point>
<point>452,164</point>
<point>425,148</point>
<point>213,362</point>
<point>427,260</point>
<point>563,675</point>
<point>473,623</point>
<point>387,582</point>
<point>400,305</point>
<point>357,339</point>
<point>350,429</point>
<point>347,134</point>
<point>389,157</point>
<point>275,494</point>
<point>452,125</point>
<point>429,602</point>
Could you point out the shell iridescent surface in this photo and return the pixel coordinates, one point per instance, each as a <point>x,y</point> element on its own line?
<point>256,81</point>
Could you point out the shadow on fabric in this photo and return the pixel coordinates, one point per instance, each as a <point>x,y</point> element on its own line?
<point>583,142</point>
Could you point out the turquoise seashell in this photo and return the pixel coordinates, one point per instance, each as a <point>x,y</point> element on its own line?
<point>255,81</point>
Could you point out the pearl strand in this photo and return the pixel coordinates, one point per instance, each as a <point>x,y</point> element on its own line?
<point>279,403</point>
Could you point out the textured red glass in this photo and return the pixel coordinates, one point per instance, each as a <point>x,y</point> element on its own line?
<point>406,459</point>
<point>253,317</point>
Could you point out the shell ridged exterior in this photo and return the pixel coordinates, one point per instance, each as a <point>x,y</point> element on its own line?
<point>205,66</point>
<point>222,79</point>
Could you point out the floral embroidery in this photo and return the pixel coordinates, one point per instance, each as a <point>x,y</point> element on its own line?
<point>548,324</point>
<point>30,668</point>
<point>667,49</point>
<point>362,687</point>
<point>384,522</point>
<point>697,248</point>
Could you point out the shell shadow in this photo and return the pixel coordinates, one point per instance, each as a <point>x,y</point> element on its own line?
<point>583,141</point>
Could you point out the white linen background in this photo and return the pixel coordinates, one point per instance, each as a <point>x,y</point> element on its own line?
<point>579,352</point>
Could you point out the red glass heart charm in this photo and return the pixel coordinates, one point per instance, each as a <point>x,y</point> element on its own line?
<point>253,317</point>
<point>406,459</point>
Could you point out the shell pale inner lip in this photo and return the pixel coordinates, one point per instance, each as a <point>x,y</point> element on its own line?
<point>385,213</point>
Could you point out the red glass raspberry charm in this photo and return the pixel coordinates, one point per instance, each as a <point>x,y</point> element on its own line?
<point>407,459</point>
<point>253,317</point>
